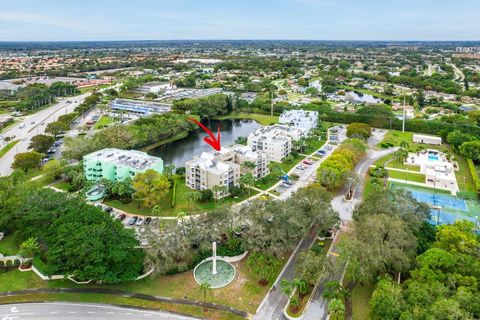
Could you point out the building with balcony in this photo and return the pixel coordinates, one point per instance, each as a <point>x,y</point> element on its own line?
<point>306,120</point>
<point>140,108</point>
<point>117,165</point>
<point>275,141</point>
<point>224,168</point>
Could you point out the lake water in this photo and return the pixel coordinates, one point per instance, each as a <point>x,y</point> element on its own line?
<point>181,151</point>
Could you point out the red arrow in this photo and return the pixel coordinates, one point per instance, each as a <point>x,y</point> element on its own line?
<point>214,142</point>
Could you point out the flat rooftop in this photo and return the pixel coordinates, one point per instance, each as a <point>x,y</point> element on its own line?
<point>131,158</point>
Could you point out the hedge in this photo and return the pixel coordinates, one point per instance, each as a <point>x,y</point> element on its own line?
<point>474,173</point>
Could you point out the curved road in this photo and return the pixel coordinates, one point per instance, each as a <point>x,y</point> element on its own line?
<point>80,311</point>
<point>35,124</point>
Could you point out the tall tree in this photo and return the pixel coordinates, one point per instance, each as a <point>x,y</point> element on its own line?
<point>150,187</point>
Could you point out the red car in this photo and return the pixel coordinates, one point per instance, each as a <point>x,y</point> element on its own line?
<point>307,162</point>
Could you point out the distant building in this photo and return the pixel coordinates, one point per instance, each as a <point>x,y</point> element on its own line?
<point>427,139</point>
<point>142,108</point>
<point>248,96</point>
<point>224,168</point>
<point>467,108</point>
<point>8,88</point>
<point>306,120</point>
<point>117,165</point>
<point>155,87</point>
<point>276,141</point>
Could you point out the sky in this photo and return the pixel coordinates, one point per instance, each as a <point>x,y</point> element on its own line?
<point>48,20</point>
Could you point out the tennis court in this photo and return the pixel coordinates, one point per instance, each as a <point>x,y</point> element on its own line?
<point>450,209</point>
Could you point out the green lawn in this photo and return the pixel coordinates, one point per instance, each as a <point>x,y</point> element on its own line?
<point>62,185</point>
<point>43,181</point>
<point>464,177</point>
<point>243,293</point>
<point>406,176</point>
<point>263,119</point>
<point>181,203</point>
<point>313,145</point>
<point>360,297</point>
<point>103,122</point>
<point>395,164</point>
<point>269,180</point>
<point>7,148</point>
<point>396,137</point>
<point>9,245</point>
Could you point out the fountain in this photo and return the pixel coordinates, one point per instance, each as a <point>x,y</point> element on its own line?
<point>214,271</point>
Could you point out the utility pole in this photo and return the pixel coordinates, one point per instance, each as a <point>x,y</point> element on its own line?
<point>271,104</point>
<point>403,122</point>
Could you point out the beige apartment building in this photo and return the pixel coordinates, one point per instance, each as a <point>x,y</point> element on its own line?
<point>224,168</point>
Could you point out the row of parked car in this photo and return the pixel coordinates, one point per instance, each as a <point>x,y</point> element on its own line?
<point>131,221</point>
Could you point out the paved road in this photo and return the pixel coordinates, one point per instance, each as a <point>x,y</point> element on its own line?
<point>80,311</point>
<point>35,124</point>
<point>272,308</point>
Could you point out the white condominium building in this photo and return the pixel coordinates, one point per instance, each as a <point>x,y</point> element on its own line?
<point>275,141</point>
<point>258,158</point>
<point>306,120</point>
<point>224,168</point>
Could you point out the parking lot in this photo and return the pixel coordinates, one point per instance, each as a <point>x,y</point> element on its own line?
<point>135,222</point>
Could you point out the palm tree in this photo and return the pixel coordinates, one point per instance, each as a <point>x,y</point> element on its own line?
<point>336,307</point>
<point>404,144</point>
<point>401,155</point>
<point>192,197</point>
<point>248,181</point>
<point>218,190</point>
<point>204,289</point>
<point>181,216</point>
<point>248,166</point>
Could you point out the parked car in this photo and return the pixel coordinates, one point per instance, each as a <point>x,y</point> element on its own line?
<point>22,125</point>
<point>307,162</point>
<point>107,209</point>
<point>321,152</point>
<point>33,122</point>
<point>147,221</point>
<point>328,147</point>
<point>140,221</point>
<point>133,220</point>
<point>121,217</point>
<point>300,167</point>
<point>51,151</point>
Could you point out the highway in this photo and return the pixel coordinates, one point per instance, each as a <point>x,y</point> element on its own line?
<point>80,311</point>
<point>35,124</point>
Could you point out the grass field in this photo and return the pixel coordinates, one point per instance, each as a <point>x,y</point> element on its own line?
<point>263,119</point>
<point>7,148</point>
<point>394,164</point>
<point>406,176</point>
<point>103,122</point>
<point>181,203</point>
<point>243,293</point>
<point>268,181</point>
<point>360,297</point>
<point>9,245</point>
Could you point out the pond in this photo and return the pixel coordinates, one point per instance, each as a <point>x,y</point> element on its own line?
<point>358,97</point>
<point>181,151</point>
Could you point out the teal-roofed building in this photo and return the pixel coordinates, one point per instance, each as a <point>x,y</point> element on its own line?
<point>117,165</point>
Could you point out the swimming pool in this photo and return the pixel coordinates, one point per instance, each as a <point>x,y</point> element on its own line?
<point>432,157</point>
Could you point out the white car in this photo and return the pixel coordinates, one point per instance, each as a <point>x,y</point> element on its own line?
<point>140,221</point>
